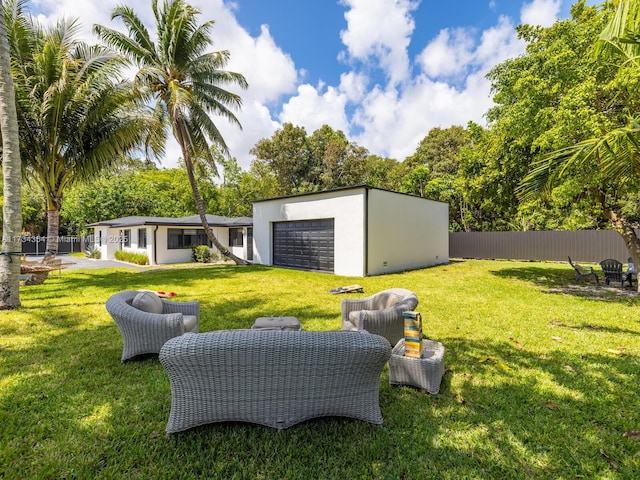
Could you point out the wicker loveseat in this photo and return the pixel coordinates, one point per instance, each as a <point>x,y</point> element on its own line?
<point>273,378</point>
<point>380,313</point>
<point>144,332</point>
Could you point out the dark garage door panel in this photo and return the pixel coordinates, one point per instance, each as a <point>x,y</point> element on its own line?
<point>305,244</point>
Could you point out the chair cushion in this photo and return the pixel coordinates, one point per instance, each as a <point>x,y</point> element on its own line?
<point>385,300</point>
<point>147,302</point>
<point>357,316</point>
<point>190,321</point>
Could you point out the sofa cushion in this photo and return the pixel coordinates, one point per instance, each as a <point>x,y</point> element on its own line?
<point>147,302</point>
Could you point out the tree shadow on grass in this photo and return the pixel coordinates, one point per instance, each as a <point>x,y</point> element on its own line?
<point>71,409</point>
<point>559,280</point>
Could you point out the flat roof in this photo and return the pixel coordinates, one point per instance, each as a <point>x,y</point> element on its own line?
<point>362,186</point>
<point>192,221</point>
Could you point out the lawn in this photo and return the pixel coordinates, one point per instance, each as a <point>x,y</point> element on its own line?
<point>542,380</point>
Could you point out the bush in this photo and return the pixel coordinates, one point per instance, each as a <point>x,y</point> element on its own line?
<point>93,252</point>
<point>132,257</point>
<point>201,254</point>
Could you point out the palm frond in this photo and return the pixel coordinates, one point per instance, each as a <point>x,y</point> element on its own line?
<point>615,158</point>
<point>127,46</point>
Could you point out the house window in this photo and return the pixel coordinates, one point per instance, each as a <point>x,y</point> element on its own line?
<point>235,237</point>
<point>125,238</point>
<point>142,238</point>
<point>186,238</point>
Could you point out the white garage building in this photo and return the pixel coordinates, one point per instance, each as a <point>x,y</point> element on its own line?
<point>352,231</point>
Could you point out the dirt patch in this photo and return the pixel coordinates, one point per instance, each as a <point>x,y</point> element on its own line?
<point>596,292</point>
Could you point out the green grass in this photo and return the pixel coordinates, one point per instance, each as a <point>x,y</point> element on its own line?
<point>542,380</point>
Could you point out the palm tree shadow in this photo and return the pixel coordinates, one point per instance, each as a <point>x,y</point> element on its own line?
<point>554,279</point>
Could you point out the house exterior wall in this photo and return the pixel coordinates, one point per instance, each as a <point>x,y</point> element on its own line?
<point>405,232</point>
<point>108,241</point>
<point>183,255</point>
<point>345,207</point>
<point>103,242</point>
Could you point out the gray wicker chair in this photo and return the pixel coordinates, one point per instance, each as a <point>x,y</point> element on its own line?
<point>380,313</point>
<point>144,332</point>
<point>273,378</point>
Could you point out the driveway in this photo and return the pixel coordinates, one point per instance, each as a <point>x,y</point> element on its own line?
<point>84,262</point>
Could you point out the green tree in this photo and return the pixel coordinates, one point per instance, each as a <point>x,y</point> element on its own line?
<point>75,115</point>
<point>386,173</point>
<point>550,97</point>
<point>184,80</point>
<point>611,159</point>
<point>12,181</point>
<point>132,189</point>
<point>440,150</point>
<point>289,156</point>
<point>239,189</point>
<point>433,170</point>
<point>344,163</point>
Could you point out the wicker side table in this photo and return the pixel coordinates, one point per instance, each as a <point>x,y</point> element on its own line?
<point>425,372</point>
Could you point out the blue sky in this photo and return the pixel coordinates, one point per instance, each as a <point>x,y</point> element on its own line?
<point>383,71</point>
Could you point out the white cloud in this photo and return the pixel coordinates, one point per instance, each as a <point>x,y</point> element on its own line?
<point>540,12</point>
<point>312,109</point>
<point>448,54</point>
<point>497,44</point>
<point>354,85</point>
<point>380,31</point>
<point>393,121</point>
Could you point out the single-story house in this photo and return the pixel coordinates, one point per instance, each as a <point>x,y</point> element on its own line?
<point>169,240</point>
<point>353,231</point>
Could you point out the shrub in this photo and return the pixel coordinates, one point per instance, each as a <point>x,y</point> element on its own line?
<point>93,252</point>
<point>201,254</point>
<point>132,257</point>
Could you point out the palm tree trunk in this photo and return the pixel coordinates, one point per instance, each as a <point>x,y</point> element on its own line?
<point>12,181</point>
<point>200,205</point>
<point>53,230</point>
<point>628,233</point>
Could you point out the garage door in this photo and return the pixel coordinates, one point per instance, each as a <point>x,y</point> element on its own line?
<point>307,244</point>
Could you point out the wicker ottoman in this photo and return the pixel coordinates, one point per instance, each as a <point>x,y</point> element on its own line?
<point>425,372</point>
<point>277,323</point>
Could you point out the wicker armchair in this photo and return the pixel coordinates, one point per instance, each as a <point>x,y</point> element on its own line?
<point>144,332</point>
<point>272,377</point>
<point>380,313</point>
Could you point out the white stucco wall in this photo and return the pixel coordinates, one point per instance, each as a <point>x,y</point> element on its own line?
<point>345,207</point>
<point>102,241</point>
<point>110,243</point>
<point>406,232</point>
<point>402,232</point>
<point>183,255</point>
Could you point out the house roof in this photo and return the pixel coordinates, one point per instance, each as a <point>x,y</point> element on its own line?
<point>192,221</point>
<point>362,186</point>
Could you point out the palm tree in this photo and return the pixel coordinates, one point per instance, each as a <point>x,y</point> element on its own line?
<point>184,80</point>
<point>12,207</point>
<point>76,116</point>
<point>613,158</point>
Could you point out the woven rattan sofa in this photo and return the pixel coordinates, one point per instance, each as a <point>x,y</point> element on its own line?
<point>380,313</point>
<point>143,332</point>
<point>273,378</point>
